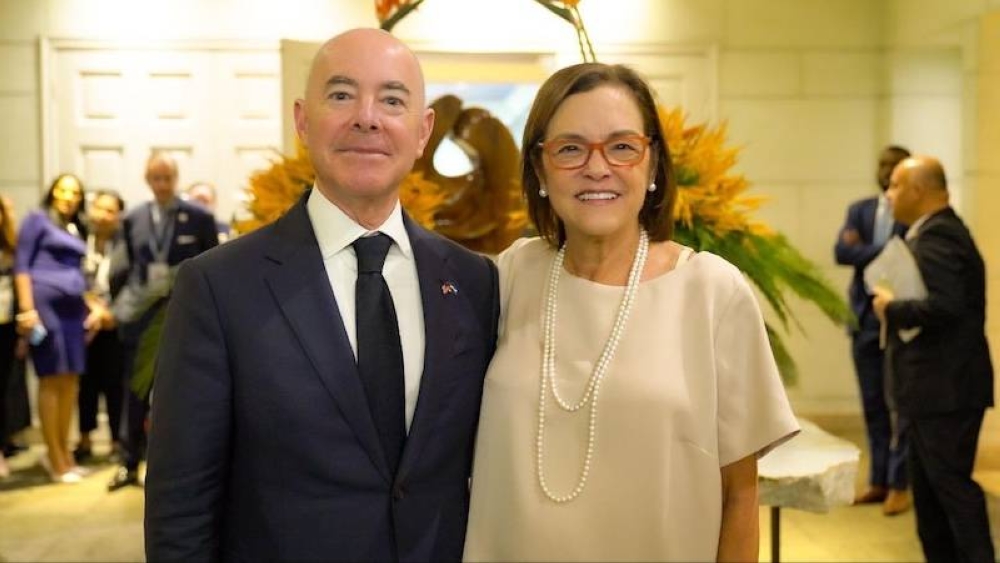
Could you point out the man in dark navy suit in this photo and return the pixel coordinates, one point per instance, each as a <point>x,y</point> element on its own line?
<point>868,226</point>
<point>319,380</point>
<point>155,238</point>
<point>940,367</point>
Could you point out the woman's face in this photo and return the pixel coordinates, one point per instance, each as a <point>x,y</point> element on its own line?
<point>66,196</point>
<point>599,199</point>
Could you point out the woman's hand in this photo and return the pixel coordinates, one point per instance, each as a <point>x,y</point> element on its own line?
<point>26,321</point>
<point>99,318</point>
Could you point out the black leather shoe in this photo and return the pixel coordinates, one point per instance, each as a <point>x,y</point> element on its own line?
<point>82,454</point>
<point>11,449</point>
<point>123,477</point>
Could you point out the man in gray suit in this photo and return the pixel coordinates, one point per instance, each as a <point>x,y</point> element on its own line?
<point>156,237</point>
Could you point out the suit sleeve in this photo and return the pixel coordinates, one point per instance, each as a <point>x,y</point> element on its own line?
<point>941,258</point>
<point>30,235</point>
<point>209,234</point>
<point>190,428</point>
<point>127,279</point>
<point>860,254</point>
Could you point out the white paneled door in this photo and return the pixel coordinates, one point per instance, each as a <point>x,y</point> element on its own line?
<point>217,110</point>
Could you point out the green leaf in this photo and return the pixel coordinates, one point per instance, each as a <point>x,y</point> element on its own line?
<point>686,176</point>
<point>775,267</point>
<point>145,357</point>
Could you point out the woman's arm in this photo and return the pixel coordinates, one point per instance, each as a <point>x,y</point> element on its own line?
<point>32,230</point>
<point>27,316</point>
<point>740,534</point>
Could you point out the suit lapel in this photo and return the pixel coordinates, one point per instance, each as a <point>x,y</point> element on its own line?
<point>441,309</point>
<point>302,290</point>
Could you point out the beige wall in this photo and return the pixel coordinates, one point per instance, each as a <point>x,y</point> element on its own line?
<point>986,169</point>
<point>811,90</point>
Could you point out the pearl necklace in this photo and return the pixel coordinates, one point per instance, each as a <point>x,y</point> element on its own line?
<point>594,384</point>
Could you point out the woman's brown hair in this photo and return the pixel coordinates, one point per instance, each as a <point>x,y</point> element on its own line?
<point>8,230</point>
<point>656,215</point>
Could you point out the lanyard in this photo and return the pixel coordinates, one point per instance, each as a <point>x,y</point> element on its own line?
<point>159,243</point>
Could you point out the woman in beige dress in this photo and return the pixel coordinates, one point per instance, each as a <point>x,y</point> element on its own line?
<point>633,388</point>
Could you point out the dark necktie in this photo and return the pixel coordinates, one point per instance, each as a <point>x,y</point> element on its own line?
<point>380,356</point>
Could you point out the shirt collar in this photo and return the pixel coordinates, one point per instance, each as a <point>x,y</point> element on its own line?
<point>912,231</point>
<point>171,205</point>
<point>335,231</point>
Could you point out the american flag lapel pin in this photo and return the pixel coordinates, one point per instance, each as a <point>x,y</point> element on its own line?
<point>448,288</point>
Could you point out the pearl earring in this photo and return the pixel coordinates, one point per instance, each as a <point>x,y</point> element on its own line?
<point>542,193</point>
<point>652,187</point>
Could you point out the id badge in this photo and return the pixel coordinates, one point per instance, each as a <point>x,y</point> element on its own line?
<point>158,278</point>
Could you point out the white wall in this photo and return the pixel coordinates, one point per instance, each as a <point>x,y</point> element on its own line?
<point>811,88</point>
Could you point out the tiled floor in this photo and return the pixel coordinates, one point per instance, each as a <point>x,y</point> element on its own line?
<point>83,522</point>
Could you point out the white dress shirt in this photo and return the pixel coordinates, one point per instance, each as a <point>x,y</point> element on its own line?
<point>335,232</point>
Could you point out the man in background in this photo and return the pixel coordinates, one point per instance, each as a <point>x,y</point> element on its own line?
<point>204,194</point>
<point>157,236</point>
<point>939,362</point>
<point>868,227</point>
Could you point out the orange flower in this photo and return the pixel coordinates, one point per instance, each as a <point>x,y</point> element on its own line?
<point>385,7</point>
<point>570,3</point>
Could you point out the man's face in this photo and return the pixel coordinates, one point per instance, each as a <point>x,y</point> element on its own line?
<point>903,195</point>
<point>363,117</point>
<point>161,175</point>
<point>104,214</point>
<point>202,195</point>
<point>887,161</point>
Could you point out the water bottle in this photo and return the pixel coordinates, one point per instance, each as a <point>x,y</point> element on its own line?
<point>38,333</point>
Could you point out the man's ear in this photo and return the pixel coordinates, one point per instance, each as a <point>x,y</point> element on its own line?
<point>426,127</point>
<point>301,123</point>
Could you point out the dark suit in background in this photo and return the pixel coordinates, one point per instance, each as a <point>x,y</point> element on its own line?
<point>887,443</point>
<point>943,382</point>
<point>193,232</point>
<point>262,445</point>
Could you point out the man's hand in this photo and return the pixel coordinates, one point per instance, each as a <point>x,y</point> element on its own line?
<point>882,297</point>
<point>850,237</point>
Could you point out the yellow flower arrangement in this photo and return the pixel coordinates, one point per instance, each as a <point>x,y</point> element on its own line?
<point>712,212</point>
<point>274,190</point>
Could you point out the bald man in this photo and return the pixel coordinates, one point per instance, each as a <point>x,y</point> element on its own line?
<point>281,429</point>
<point>939,364</point>
<point>156,237</point>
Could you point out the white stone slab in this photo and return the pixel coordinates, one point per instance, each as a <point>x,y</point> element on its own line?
<point>814,471</point>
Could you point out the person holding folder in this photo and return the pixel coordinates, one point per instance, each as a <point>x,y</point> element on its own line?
<point>941,374</point>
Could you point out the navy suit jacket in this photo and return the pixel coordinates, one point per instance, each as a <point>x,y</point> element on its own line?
<point>947,367</point>
<point>861,218</point>
<point>262,446</point>
<point>194,232</point>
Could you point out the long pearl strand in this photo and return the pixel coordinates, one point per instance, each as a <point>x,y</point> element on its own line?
<point>594,384</point>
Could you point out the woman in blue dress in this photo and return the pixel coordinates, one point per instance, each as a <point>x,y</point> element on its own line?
<point>50,287</point>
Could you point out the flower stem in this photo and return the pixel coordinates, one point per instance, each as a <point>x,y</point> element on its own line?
<point>583,37</point>
<point>401,13</point>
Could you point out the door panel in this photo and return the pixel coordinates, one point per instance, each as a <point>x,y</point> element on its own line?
<point>216,110</point>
